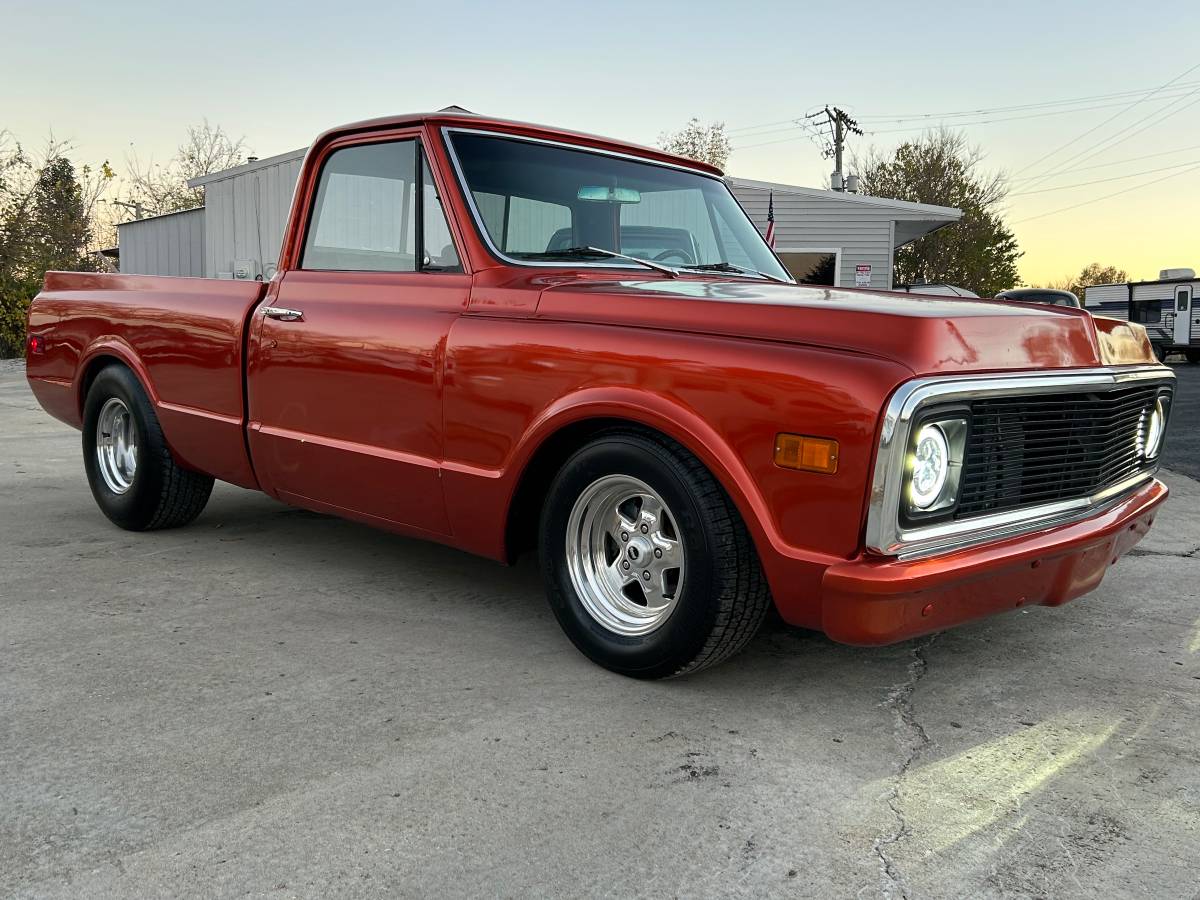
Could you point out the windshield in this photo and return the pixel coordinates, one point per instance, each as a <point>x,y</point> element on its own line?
<point>544,203</point>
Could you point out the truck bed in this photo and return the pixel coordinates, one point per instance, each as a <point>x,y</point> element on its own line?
<point>189,335</point>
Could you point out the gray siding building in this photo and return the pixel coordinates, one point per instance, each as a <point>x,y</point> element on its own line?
<point>822,236</point>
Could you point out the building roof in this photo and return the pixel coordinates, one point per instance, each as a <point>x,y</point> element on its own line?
<point>949,213</point>
<point>178,212</point>
<point>249,166</point>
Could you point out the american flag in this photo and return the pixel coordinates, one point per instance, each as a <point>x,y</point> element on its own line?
<point>771,220</point>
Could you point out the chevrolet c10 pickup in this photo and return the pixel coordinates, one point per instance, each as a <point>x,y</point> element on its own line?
<point>507,337</point>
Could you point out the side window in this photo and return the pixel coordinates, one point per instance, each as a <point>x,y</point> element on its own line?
<point>524,225</point>
<point>439,245</point>
<point>738,254</point>
<point>1181,301</point>
<point>364,217</point>
<point>1147,311</point>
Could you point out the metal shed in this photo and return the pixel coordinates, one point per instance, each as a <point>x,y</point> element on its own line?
<point>861,233</point>
<point>247,211</point>
<point>170,244</point>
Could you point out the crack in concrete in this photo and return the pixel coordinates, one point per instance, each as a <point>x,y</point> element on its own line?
<point>1142,551</point>
<point>912,738</point>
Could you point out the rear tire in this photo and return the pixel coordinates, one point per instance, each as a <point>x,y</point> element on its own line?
<point>694,593</point>
<point>1161,352</point>
<point>1193,356</point>
<point>132,474</point>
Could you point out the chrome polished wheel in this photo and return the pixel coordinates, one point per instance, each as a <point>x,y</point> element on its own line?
<point>624,555</point>
<point>116,445</point>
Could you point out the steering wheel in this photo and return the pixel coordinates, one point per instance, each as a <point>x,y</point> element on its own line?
<point>684,257</point>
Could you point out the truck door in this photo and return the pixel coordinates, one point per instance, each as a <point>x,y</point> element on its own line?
<point>345,380</point>
<point>1183,314</point>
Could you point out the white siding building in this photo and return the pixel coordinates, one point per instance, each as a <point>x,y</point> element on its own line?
<point>811,224</point>
<point>246,210</point>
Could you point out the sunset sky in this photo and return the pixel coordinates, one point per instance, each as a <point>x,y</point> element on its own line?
<point>125,77</point>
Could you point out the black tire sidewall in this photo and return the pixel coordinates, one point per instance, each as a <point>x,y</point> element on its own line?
<point>136,508</point>
<point>680,639</point>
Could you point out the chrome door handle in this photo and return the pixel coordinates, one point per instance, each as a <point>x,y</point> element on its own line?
<point>283,315</point>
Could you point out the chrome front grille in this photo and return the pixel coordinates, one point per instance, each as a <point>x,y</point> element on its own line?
<point>1029,450</point>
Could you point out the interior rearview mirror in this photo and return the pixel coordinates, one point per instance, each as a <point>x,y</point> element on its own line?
<point>600,193</point>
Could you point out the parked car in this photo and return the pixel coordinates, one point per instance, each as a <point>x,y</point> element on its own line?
<point>1047,296</point>
<point>684,443</point>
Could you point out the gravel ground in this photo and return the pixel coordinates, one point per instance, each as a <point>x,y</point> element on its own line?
<point>276,703</point>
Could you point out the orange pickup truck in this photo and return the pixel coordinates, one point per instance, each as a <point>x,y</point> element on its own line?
<point>506,337</point>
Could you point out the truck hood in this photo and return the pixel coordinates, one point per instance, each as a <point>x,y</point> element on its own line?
<point>927,334</point>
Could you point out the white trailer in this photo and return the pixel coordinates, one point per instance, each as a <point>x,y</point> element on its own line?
<point>1169,308</point>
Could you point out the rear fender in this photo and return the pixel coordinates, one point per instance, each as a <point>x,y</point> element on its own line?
<point>115,347</point>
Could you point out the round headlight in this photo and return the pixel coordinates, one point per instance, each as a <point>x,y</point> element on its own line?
<point>1155,427</point>
<point>931,464</point>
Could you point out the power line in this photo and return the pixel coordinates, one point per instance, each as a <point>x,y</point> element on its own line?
<point>1136,187</point>
<point>1111,118</point>
<point>1067,187</point>
<point>986,111</point>
<point>1039,115</point>
<point>1121,137</point>
<point>761,125</point>
<point>786,140</point>
<point>908,117</point>
<point>1116,162</point>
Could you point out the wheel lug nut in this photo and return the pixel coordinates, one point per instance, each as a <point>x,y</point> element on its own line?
<point>625,565</point>
<point>624,535</point>
<point>658,554</point>
<point>646,576</point>
<point>645,528</point>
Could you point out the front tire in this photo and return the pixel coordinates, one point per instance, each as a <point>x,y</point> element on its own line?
<point>132,474</point>
<point>648,566</point>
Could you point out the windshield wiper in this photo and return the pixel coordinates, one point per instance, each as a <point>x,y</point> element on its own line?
<point>582,252</point>
<point>730,267</point>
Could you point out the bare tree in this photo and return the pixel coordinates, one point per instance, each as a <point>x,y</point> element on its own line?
<point>159,188</point>
<point>706,143</point>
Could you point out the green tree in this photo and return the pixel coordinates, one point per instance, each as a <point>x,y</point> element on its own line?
<point>979,252</point>
<point>707,143</point>
<point>1092,273</point>
<point>45,223</point>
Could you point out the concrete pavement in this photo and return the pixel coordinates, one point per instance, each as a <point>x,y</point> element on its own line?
<point>274,703</point>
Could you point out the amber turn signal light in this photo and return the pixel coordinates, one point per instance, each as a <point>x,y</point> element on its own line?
<point>808,454</point>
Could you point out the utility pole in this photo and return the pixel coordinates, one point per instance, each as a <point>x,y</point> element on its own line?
<point>139,211</point>
<point>841,124</point>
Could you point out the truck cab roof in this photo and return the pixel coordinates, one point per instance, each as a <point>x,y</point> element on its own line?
<point>455,118</point>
